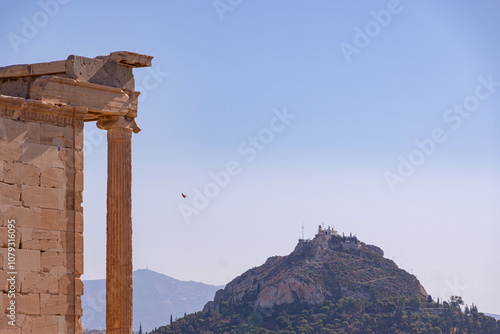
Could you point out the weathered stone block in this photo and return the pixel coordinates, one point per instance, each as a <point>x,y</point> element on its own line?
<point>18,173</point>
<point>10,151</point>
<point>8,329</point>
<point>127,58</point>
<point>42,197</point>
<point>52,67</point>
<point>43,240</point>
<point>25,321</point>
<point>58,271</point>
<point>14,71</point>
<point>21,132</point>
<point>53,178</point>
<point>15,87</point>
<point>78,306</point>
<point>1,170</point>
<point>10,193</point>
<point>67,284</point>
<point>74,200</point>
<point>45,235</point>
<point>24,217</point>
<point>31,244</point>
<point>75,181</point>
<point>75,261</point>
<point>25,236</point>
<point>97,98</point>
<point>78,222</point>
<point>50,245</point>
<point>100,72</point>
<point>61,319</point>
<point>78,139</point>
<point>28,303</point>
<point>5,237</point>
<point>45,325</point>
<point>50,259</point>
<point>4,301</point>
<point>35,282</point>
<point>72,242</point>
<point>5,327</point>
<point>57,304</point>
<point>70,221</point>
<point>79,263</point>
<point>54,135</point>
<point>42,156</point>
<point>52,219</point>
<point>27,260</point>
<point>79,285</point>
<point>42,244</point>
<point>56,220</point>
<point>73,159</point>
<point>72,324</point>
<point>4,286</point>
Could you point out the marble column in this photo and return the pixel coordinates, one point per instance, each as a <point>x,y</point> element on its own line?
<point>119,225</point>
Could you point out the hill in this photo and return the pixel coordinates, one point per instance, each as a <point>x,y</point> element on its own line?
<point>156,297</point>
<point>329,267</point>
<point>331,284</point>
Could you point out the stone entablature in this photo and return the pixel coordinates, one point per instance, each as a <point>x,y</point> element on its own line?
<point>44,112</point>
<point>43,108</point>
<point>104,85</point>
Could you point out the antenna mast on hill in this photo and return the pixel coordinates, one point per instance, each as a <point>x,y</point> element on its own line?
<point>302,230</point>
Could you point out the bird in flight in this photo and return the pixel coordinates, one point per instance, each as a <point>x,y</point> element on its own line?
<point>184,196</point>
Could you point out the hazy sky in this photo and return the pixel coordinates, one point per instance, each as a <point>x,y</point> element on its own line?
<point>380,118</point>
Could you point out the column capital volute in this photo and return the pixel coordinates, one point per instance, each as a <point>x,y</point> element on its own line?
<point>118,123</point>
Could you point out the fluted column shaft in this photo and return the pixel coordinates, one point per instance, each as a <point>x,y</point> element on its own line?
<point>119,304</point>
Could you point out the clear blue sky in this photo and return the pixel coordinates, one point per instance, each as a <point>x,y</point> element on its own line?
<point>362,89</point>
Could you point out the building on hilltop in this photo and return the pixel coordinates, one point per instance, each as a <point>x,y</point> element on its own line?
<point>327,231</point>
<point>326,234</point>
<point>350,242</point>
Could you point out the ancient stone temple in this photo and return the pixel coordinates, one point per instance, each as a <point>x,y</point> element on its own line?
<point>43,108</point>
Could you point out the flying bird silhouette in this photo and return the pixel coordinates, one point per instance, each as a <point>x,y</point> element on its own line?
<point>183,195</point>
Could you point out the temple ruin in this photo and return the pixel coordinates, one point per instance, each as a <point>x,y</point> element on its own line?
<point>43,108</point>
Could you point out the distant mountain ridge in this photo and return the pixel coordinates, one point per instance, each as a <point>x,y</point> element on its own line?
<point>493,315</point>
<point>156,297</point>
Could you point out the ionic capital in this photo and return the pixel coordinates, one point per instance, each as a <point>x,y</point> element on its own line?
<point>118,124</point>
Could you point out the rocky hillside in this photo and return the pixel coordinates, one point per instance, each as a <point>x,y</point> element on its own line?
<point>334,285</point>
<point>329,267</point>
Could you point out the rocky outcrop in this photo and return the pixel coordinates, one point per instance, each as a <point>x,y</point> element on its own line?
<point>318,270</point>
<point>290,290</point>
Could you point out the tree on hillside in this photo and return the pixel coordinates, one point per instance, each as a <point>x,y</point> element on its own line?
<point>456,301</point>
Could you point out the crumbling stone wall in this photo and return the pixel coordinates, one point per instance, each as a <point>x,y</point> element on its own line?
<point>41,184</point>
